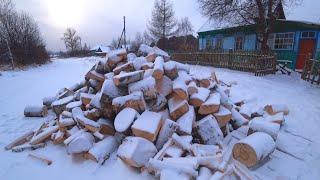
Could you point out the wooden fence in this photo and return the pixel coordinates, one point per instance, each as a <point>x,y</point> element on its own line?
<point>242,61</point>
<point>311,71</point>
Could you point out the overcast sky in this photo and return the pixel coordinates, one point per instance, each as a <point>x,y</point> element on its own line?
<point>98,21</point>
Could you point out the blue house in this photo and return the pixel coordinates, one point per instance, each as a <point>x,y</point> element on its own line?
<point>294,41</point>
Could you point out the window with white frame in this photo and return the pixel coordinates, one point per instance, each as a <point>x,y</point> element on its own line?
<point>239,41</point>
<point>308,34</point>
<point>284,41</point>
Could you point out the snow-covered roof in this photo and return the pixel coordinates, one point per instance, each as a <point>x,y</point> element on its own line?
<point>104,49</point>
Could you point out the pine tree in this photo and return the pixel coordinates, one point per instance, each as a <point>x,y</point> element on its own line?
<point>163,22</point>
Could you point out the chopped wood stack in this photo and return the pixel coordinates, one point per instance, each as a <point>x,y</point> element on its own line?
<point>158,117</point>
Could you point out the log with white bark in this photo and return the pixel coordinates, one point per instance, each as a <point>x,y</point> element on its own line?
<point>81,143</point>
<point>41,158</point>
<point>164,86</point>
<point>204,150</point>
<point>211,105</point>
<point>134,100</point>
<point>81,119</point>
<point>86,98</point>
<point>186,161</point>
<point>78,92</point>
<point>277,118</point>
<point>169,174</point>
<point>187,121</point>
<point>151,57</point>
<point>276,108</point>
<point>109,91</point>
<point>211,162</point>
<point>127,78</point>
<point>58,137</point>
<point>20,140</point>
<point>147,86</point>
<point>177,107</point>
<point>157,104</point>
<point>125,119</point>
<point>209,130</point>
<point>74,132</point>
<point>258,125</point>
<point>180,88</point>
<point>35,111</point>
<point>223,116</point>
<point>103,149</point>
<point>158,68</point>
<point>64,123</point>
<point>59,106</point>
<point>146,66</point>
<point>147,125</point>
<point>174,151</point>
<point>127,67</point>
<point>253,149</point>
<point>237,118</point>
<point>73,104</point>
<point>65,93</point>
<point>24,147</point>
<point>167,129</point>
<point>181,142</point>
<point>136,151</point>
<point>45,134</point>
<point>171,70</point>
<point>95,76</point>
<point>204,173</point>
<point>192,88</point>
<point>200,97</point>
<point>93,114</point>
<point>47,101</point>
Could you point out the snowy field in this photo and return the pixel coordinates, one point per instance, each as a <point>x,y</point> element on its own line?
<point>299,137</point>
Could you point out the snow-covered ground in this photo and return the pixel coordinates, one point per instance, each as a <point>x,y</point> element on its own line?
<point>299,136</point>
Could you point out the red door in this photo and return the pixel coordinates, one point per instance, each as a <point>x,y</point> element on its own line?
<point>306,49</point>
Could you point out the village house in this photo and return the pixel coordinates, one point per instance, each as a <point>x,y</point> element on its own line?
<point>292,41</point>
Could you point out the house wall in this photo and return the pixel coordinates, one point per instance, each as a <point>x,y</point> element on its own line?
<point>228,43</point>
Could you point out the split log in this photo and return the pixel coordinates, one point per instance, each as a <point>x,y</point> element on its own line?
<point>103,149</point>
<point>186,161</point>
<point>211,105</point>
<point>64,123</point>
<point>65,93</point>
<point>136,151</point>
<point>277,108</point>
<point>174,151</point>
<point>201,150</point>
<point>24,147</point>
<point>109,91</point>
<point>78,92</point>
<point>167,129</point>
<point>127,78</point>
<point>177,107</point>
<point>93,114</point>
<point>125,119</point>
<point>87,123</point>
<point>183,74</point>
<point>148,65</point>
<point>47,101</point>
<point>158,68</point>
<point>134,100</point>
<point>164,86</point>
<point>60,105</point>
<point>147,125</point>
<point>66,114</point>
<point>127,67</point>
<point>46,133</point>
<point>58,137</point>
<point>72,105</point>
<point>200,97</point>
<point>253,149</point>
<point>223,116</point>
<point>95,76</point>
<point>107,127</point>
<point>20,140</point>
<point>209,130</point>
<point>151,57</point>
<point>192,88</point>
<point>147,86</point>
<point>157,104</point>
<point>204,174</point>
<point>202,79</point>
<point>81,143</point>
<point>180,88</point>
<point>36,111</point>
<point>257,125</point>
<point>181,142</point>
<point>277,118</point>
<point>171,70</point>
<point>187,121</point>
<point>86,98</point>
<point>237,118</point>
<point>169,174</point>
<point>73,134</point>
<point>96,101</point>
<point>41,158</point>
<point>138,62</point>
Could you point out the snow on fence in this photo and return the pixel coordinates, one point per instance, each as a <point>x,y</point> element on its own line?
<point>242,61</point>
<point>311,71</point>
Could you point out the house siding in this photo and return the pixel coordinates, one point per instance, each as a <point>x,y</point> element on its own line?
<point>228,43</point>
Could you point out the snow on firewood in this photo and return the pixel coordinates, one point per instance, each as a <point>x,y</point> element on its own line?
<point>277,108</point>
<point>95,76</point>
<point>88,123</point>
<point>127,78</point>
<point>187,121</point>
<point>58,137</point>
<point>157,104</point>
<point>200,97</point>
<point>131,56</point>
<point>164,86</point>
<point>170,69</point>
<point>81,143</point>
<point>47,101</point>
<point>125,119</point>
<point>223,116</point>
<point>127,67</point>
<point>72,105</point>
<point>138,62</point>
<point>180,88</point>
<point>36,111</point>
<point>277,118</point>
<point>136,151</point>
<point>204,173</point>
<point>181,142</point>
<point>147,66</point>
<point>103,149</point>
<point>160,52</point>
<point>167,129</point>
<point>192,88</point>
<point>174,151</point>
<point>107,127</point>
<point>147,86</point>
<point>204,150</point>
<point>78,92</point>
<point>37,139</point>
<point>168,174</point>
<point>253,149</point>
<point>186,161</point>
<point>211,105</point>
<point>177,107</point>
<point>158,68</point>
<point>147,125</point>
<point>209,130</point>
<point>151,57</point>
<point>146,49</point>
<point>59,106</point>
<point>110,90</point>
<point>185,76</point>
<point>134,100</point>
<point>258,125</point>
<point>65,122</point>
<point>96,101</point>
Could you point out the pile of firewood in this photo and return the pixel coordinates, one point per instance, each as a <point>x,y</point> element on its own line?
<point>159,117</point>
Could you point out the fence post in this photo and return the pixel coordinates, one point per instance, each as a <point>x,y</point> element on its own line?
<point>230,58</point>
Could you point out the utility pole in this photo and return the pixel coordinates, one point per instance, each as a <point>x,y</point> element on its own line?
<point>123,34</point>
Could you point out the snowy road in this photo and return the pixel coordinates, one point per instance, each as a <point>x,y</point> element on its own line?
<point>299,136</point>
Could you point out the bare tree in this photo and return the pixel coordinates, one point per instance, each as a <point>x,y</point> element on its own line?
<point>163,22</point>
<point>71,40</point>
<point>184,27</point>
<point>263,13</point>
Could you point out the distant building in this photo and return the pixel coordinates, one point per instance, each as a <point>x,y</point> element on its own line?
<point>100,50</point>
<point>291,40</point>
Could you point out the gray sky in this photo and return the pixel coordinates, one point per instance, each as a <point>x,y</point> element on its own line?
<point>98,21</point>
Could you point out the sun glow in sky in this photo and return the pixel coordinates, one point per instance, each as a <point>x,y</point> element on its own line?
<point>66,13</point>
